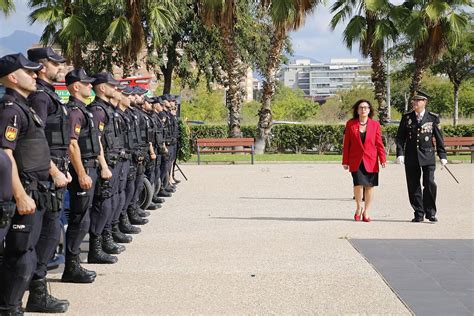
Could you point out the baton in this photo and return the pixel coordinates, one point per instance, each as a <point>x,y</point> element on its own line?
<point>452,175</point>
<point>183,172</point>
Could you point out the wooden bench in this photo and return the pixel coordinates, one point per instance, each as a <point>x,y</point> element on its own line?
<point>225,145</point>
<point>460,145</point>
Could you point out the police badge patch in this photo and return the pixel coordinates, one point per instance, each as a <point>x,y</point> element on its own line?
<point>77,129</point>
<point>101,126</point>
<point>11,133</point>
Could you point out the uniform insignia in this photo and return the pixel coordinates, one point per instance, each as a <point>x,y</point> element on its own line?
<point>101,126</point>
<point>409,121</point>
<point>77,129</point>
<point>11,133</point>
<point>426,138</point>
<point>427,127</point>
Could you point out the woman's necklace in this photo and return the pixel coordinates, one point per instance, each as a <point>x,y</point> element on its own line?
<point>363,124</point>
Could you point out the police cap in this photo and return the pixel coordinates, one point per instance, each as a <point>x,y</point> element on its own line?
<point>105,77</point>
<point>139,90</point>
<point>36,54</point>
<point>420,95</point>
<point>12,62</point>
<point>127,90</point>
<point>76,75</point>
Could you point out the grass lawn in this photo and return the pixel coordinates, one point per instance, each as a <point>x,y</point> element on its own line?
<point>293,157</point>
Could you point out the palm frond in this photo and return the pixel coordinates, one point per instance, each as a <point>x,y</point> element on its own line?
<point>355,31</point>
<point>119,32</point>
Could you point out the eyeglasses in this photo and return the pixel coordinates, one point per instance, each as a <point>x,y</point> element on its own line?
<point>364,108</point>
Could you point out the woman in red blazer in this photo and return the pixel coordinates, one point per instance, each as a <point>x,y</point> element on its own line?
<point>362,150</point>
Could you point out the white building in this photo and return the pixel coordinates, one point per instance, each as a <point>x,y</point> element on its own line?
<point>321,80</point>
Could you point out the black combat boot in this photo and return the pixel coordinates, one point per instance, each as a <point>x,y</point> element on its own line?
<point>119,236</point>
<point>97,254</point>
<point>153,206</point>
<point>109,245</point>
<point>157,199</point>
<point>16,311</point>
<point>170,189</point>
<point>142,212</point>
<point>40,301</point>
<point>75,273</point>
<point>135,219</point>
<point>126,227</point>
<point>164,193</point>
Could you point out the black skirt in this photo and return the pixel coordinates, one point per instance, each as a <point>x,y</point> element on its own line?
<point>362,177</point>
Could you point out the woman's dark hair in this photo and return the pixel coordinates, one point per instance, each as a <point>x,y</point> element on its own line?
<point>355,108</point>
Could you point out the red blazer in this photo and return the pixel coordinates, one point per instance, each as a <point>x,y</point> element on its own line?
<point>371,152</point>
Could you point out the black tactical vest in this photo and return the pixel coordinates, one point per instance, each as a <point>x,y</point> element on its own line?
<point>159,129</point>
<point>146,128</point>
<point>57,124</point>
<point>113,133</point>
<point>32,151</point>
<point>89,136</point>
<point>167,126</point>
<point>129,139</point>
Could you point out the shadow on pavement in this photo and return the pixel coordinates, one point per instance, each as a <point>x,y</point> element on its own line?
<point>294,199</point>
<point>308,219</point>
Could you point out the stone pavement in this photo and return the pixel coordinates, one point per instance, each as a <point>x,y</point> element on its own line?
<point>267,239</point>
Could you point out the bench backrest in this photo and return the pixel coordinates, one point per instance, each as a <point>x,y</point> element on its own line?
<point>458,141</point>
<point>225,142</point>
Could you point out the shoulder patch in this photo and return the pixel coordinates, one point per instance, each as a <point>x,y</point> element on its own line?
<point>11,133</point>
<point>101,126</point>
<point>77,129</point>
<point>434,114</point>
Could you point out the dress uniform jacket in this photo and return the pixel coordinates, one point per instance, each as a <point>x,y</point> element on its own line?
<point>415,139</point>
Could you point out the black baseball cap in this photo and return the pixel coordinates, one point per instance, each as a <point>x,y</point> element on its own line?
<point>76,75</point>
<point>420,95</point>
<point>36,54</point>
<point>139,90</point>
<point>12,62</point>
<point>157,100</point>
<point>105,77</point>
<point>127,90</point>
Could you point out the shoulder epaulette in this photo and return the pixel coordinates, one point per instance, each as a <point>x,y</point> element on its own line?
<point>434,114</point>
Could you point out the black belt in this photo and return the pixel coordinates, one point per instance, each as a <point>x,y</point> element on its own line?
<point>62,163</point>
<point>90,163</point>
<point>36,185</point>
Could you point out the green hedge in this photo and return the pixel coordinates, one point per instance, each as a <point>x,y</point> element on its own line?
<point>303,138</point>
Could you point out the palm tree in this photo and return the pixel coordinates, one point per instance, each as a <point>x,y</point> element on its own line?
<point>66,25</point>
<point>431,26</point>
<point>286,16</point>
<point>223,15</point>
<point>7,6</point>
<point>371,25</point>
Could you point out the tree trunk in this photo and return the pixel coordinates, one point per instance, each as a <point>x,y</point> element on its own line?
<point>380,86</point>
<point>456,105</point>
<point>168,78</point>
<point>170,64</point>
<point>235,71</point>
<point>265,117</point>
<point>420,66</point>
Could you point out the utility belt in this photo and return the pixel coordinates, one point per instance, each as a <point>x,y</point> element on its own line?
<point>138,156</point>
<point>90,163</point>
<point>7,210</point>
<point>62,163</point>
<point>45,194</point>
<point>132,173</point>
<point>113,158</point>
<point>103,189</point>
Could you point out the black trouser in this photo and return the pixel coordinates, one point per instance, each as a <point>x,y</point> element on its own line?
<point>164,173</point>
<point>158,172</point>
<point>169,164</point>
<point>130,186</point>
<point>118,177</point>
<point>80,205</point>
<point>138,186</point>
<point>102,209</point>
<point>150,166</point>
<point>423,203</point>
<point>19,261</point>
<point>119,200</point>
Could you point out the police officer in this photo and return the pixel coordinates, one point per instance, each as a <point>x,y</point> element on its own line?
<point>171,142</point>
<point>416,150</point>
<point>107,198</point>
<point>22,136</point>
<point>7,206</point>
<point>160,148</point>
<point>84,148</point>
<point>50,109</point>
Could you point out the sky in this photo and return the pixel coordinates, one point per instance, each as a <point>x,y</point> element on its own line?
<point>314,40</point>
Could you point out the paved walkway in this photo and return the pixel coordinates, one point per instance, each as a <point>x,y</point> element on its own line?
<point>267,239</point>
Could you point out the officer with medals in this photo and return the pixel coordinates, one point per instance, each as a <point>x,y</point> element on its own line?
<point>107,199</point>
<point>23,139</point>
<point>51,110</point>
<point>415,149</point>
<point>84,148</point>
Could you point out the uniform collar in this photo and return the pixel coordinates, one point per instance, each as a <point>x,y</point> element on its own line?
<point>16,96</point>
<point>76,100</point>
<point>421,115</point>
<point>45,84</point>
<point>102,101</point>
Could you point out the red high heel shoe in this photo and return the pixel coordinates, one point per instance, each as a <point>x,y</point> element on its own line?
<point>357,217</point>
<point>365,219</point>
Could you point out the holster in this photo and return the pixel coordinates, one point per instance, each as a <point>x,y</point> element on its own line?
<point>104,189</point>
<point>132,173</point>
<point>62,163</point>
<point>7,210</point>
<point>43,192</point>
